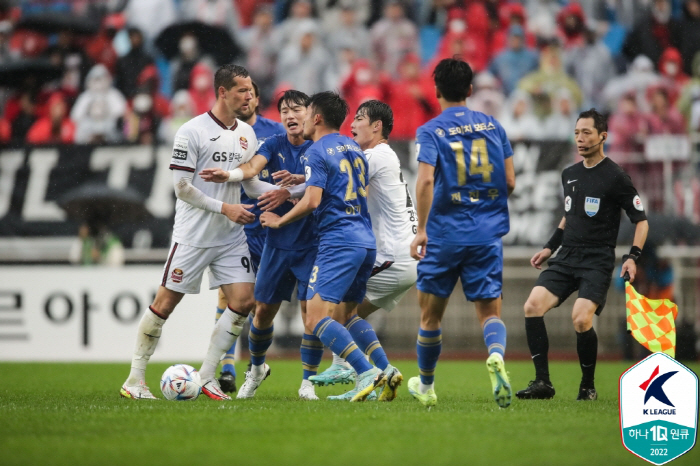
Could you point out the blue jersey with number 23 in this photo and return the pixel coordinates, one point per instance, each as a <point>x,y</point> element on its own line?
<point>337,164</point>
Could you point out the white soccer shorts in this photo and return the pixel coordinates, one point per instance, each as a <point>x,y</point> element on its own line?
<point>227,264</point>
<point>386,288</point>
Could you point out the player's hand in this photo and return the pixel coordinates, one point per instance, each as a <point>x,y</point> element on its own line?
<point>217,175</point>
<point>539,258</point>
<point>630,267</point>
<point>418,245</point>
<point>269,220</point>
<point>238,213</point>
<point>284,178</point>
<point>272,199</point>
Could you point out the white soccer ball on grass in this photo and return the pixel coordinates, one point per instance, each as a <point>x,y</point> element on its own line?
<point>180,382</point>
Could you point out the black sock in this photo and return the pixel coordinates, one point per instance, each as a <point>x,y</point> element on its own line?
<point>587,347</point>
<point>538,343</point>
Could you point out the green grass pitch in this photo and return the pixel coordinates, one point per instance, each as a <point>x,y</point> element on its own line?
<point>71,414</point>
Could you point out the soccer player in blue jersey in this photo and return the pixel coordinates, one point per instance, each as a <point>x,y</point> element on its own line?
<point>264,128</point>
<point>465,175</point>
<point>335,168</point>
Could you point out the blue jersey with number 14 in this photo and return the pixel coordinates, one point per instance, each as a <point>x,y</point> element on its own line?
<point>470,202</point>
<point>337,164</point>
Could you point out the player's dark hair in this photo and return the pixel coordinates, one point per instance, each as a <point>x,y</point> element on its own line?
<point>600,121</point>
<point>332,108</point>
<point>293,97</point>
<point>376,110</point>
<point>453,77</point>
<point>226,77</point>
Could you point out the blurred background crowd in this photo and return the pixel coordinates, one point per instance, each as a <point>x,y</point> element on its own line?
<point>127,70</point>
<point>114,71</point>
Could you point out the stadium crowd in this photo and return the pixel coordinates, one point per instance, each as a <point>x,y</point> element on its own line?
<point>539,63</point>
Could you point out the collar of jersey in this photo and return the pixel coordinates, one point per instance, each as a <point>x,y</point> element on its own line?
<point>220,123</point>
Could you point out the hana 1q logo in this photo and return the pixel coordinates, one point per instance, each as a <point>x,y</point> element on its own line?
<point>659,409</point>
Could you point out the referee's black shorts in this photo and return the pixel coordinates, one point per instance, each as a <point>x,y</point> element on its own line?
<point>588,270</point>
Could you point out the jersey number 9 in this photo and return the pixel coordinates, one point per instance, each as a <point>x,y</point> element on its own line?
<point>479,161</point>
<point>346,167</point>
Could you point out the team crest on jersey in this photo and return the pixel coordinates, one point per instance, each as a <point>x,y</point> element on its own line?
<point>177,275</point>
<point>591,206</point>
<point>244,143</point>
<point>330,151</point>
<point>637,203</point>
<point>567,203</point>
<point>440,132</point>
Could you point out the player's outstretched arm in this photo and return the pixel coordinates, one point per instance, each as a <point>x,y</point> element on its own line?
<point>243,172</point>
<point>424,199</point>
<point>285,179</point>
<point>629,263</point>
<point>307,204</point>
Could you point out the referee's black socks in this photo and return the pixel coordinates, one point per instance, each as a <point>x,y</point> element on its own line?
<point>587,348</point>
<point>538,343</point>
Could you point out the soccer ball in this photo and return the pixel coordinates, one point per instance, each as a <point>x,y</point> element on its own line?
<point>180,382</point>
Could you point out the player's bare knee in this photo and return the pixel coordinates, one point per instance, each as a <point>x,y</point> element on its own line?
<point>430,321</point>
<point>582,322</point>
<point>533,308</point>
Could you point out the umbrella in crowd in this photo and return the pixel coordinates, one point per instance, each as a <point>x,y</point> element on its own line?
<point>213,41</point>
<point>663,229</point>
<point>98,203</point>
<point>52,23</point>
<point>32,72</point>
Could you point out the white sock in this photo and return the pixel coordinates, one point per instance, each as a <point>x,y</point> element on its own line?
<point>226,331</point>
<point>150,328</point>
<point>306,383</point>
<point>423,389</point>
<point>340,361</point>
<point>497,354</point>
<point>257,371</point>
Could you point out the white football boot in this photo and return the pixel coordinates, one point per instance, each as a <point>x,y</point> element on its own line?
<point>252,382</point>
<point>212,389</point>
<point>137,392</point>
<point>307,391</point>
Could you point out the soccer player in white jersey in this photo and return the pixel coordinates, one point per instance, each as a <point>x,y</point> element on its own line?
<point>393,221</point>
<point>208,230</point>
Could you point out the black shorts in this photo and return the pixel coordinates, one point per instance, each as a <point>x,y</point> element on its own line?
<point>588,270</point>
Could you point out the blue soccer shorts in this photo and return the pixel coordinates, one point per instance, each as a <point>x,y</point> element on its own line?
<point>340,273</point>
<point>479,267</point>
<point>256,243</point>
<point>280,270</point>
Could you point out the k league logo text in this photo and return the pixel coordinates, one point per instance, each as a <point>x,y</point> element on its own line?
<point>658,409</point>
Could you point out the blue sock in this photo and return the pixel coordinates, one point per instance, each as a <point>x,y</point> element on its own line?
<point>311,354</point>
<point>366,339</point>
<point>229,357</point>
<point>338,339</point>
<point>495,335</point>
<point>428,348</point>
<point>258,343</point>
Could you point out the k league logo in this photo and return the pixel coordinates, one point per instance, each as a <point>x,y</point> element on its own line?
<point>659,409</point>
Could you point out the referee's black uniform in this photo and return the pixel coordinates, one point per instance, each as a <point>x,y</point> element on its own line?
<point>593,199</point>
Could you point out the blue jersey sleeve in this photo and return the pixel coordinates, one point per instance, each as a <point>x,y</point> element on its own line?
<point>315,169</point>
<point>267,148</point>
<point>426,148</point>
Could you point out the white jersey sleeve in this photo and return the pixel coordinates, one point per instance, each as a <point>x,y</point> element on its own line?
<point>185,149</point>
<point>390,205</point>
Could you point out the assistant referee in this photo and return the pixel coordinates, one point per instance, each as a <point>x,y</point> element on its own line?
<point>595,191</point>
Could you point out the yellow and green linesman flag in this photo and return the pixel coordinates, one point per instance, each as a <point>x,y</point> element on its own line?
<point>652,322</point>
